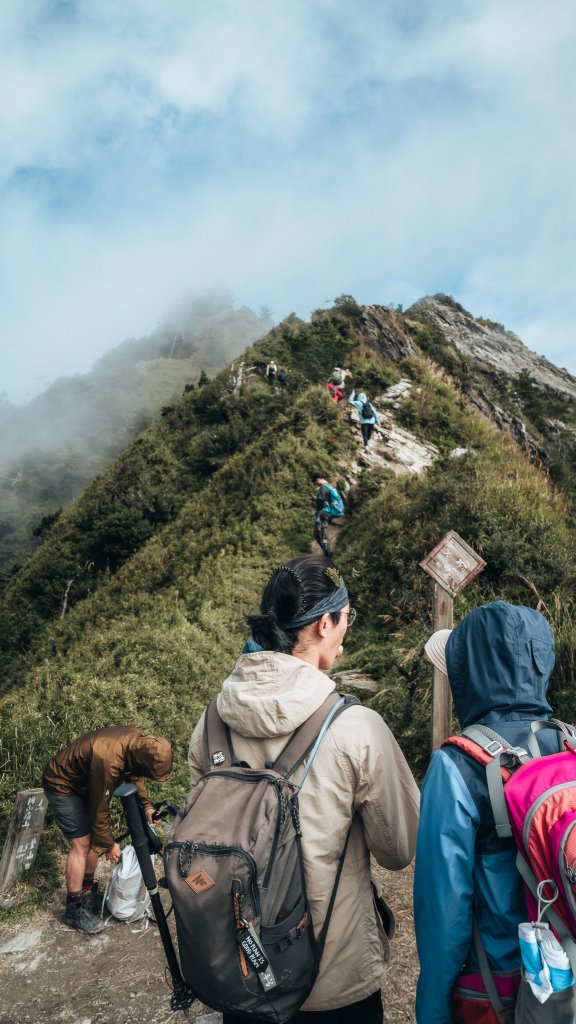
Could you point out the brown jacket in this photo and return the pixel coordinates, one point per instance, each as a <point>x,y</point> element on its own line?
<point>359,777</point>
<point>95,764</point>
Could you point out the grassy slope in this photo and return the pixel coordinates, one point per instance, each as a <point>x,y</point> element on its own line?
<point>149,635</point>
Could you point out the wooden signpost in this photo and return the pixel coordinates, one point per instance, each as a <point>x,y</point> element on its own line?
<point>23,836</point>
<point>452,564</point>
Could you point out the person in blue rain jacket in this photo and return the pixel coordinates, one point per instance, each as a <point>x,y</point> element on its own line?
<point>498,661</point>
<point>367,413</point>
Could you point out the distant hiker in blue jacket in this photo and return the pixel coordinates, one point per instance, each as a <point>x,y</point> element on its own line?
<point>368,415</point>
<point>498,661</point>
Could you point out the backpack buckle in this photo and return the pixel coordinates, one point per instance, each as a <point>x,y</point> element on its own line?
<point>494,748</point>
<point>518,751</point>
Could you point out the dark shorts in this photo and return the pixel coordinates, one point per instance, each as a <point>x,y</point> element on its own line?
<point>71,813</point>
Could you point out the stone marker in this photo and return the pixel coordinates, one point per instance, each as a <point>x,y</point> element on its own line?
<point>23,836</point>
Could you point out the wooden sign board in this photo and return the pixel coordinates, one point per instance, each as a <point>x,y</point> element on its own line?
<point>452,563</point>
<point>23,836</point>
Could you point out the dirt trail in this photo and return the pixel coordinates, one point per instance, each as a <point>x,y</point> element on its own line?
<point>48,972</point>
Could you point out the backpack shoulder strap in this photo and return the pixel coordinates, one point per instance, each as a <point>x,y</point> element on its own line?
<point>307,738</point>
<point>218,750</point>
<point>305,742</point>
<point>564,730</point>
<point>476,752</point>
<point>492,750</point>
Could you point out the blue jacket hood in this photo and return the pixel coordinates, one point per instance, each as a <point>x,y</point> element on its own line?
<point>499,660</point>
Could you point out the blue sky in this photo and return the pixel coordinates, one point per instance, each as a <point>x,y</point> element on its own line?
<point>289,151</point>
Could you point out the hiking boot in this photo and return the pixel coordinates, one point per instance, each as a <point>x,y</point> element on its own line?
<point>93,899</point>
<point>78,916</point>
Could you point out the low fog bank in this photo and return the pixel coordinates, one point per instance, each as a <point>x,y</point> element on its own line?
<point>53,446</point>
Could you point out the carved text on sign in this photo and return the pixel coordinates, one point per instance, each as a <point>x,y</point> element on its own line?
<point>453,563</point>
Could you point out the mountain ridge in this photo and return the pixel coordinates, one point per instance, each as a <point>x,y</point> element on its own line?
<point>163,554</point>
<point>491,343</point>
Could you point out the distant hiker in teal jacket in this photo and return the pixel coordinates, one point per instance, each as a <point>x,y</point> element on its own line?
<point>368,415</point>
<point>329,506</point>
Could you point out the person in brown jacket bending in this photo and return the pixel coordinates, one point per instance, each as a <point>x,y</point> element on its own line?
<point>79,782</point>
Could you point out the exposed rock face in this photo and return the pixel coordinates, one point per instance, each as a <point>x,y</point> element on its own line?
<point>493,345</point>
<point>505,421</point>
<point>393,447</point>
<point>386,332</point>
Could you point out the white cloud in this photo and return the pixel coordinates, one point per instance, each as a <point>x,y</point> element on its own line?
<point>293,151</point>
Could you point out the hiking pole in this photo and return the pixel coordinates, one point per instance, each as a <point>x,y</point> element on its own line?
<point>161,811</point>
<point>183,996</point>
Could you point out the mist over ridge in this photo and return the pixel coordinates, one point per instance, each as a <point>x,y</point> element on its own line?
<point>51,447</point>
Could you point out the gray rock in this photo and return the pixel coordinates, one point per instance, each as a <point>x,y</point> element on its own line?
<point>358,683</point>
<point>387,333</point>
<point>22,941</point>
<point>494,345</point>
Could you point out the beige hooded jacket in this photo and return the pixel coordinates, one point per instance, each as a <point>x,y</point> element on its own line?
<point>359,776</point>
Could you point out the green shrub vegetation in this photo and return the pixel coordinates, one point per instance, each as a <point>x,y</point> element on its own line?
<point>131,610</point>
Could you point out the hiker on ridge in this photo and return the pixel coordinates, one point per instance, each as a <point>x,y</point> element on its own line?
<point>359,780</point>
<point>336,383</point>
<point>335,393</point>
<point>329,506</point>
<point>339,375</point>
<point>271,371</point>
<point>498,661</point>
<point>367,413</point>
<point>79,783</point>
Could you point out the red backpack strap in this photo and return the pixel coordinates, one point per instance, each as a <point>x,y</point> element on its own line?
<point>476,752</point>
<point>496,750</point>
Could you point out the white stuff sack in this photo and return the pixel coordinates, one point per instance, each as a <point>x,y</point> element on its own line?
<point>126,895</point>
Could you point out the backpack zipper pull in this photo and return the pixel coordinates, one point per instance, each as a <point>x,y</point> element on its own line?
<point>185,871</point>
<point>237,902</point>
<point>296,818</point>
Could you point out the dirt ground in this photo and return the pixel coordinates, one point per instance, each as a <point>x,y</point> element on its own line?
<point>48,972</point>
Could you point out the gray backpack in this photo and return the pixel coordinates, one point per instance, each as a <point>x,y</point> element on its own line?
<point>235,873</point>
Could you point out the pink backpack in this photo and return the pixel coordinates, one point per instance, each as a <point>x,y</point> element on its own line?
<point>533,800</point>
